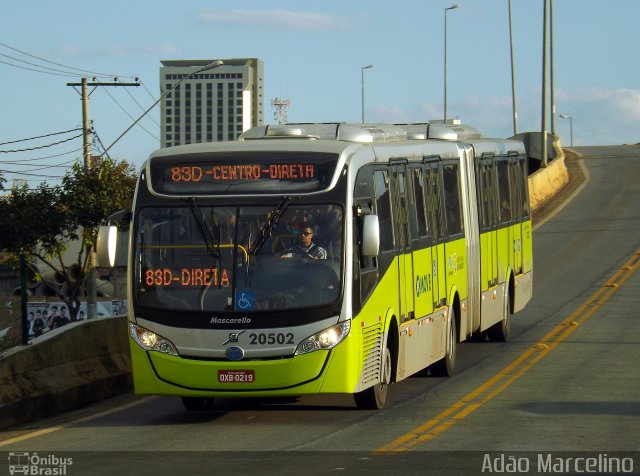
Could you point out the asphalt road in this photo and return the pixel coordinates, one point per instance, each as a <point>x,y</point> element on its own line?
<point>565,386</point>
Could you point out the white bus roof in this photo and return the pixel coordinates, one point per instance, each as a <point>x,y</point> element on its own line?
<point>363,133</point>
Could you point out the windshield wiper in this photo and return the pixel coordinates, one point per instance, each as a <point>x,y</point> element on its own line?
<point>213,245</point>
<point>272,220</point>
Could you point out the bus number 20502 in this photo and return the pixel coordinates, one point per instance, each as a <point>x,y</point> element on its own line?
<point>271,338</point>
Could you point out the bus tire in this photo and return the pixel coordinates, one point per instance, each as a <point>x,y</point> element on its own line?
<point>446,366</point>
<point>197,404</point>
<point>374,398</point>
<point>499,332</point>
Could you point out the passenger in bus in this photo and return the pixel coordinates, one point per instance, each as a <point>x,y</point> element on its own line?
<point>305,247</point>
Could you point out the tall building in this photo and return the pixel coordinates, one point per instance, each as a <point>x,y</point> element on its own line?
<point>214,105</point>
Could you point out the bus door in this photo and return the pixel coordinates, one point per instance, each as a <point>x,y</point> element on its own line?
<point>436,221</point>
<point>403,241</point>
<point>489,233</point>
<point>516,173</point>
<point>421,242</point>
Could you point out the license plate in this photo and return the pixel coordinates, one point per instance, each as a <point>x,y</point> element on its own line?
<point>236,376</point>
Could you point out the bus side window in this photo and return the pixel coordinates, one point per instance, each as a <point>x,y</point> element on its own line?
<point>432,190</point>
<point>383,209</point>
<point>400,208</point>
<point>523,175</point>
<point>515,186</point>
<point>503,192</point>
<point>486,198</point>
<point>419,228</point>
<point>451,178</point>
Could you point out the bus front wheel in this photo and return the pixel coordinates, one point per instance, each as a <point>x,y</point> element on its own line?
<point>374,398</point>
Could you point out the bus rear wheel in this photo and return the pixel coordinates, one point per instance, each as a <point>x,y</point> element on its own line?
<point>446,366</point>
<point>500,331</point>
<point>197,404</point>
<point>374,398</point>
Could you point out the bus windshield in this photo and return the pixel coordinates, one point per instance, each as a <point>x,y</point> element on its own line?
<point>200,257</point>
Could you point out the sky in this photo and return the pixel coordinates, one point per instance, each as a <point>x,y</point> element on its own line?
<point>313,52</point>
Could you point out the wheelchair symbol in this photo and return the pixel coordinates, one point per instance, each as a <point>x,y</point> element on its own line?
<point>245,300</point>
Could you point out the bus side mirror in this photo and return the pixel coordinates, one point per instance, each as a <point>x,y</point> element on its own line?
<point>370,236</point>
<point>106,246</point>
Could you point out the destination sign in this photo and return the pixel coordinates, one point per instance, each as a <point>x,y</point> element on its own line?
<point>195,173</point>
<point>264,172</point>
<point>186,277</point>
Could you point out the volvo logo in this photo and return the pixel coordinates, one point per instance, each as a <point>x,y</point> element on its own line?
<point>234,353</point>
<point>233,337</point>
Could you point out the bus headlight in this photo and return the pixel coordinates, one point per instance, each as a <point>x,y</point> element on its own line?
<point>324,340</point>
<point>151,341</point>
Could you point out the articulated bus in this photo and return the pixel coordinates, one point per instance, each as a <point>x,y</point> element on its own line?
<point>420,243</point>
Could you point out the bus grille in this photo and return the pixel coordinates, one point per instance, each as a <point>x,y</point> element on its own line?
<point>371,348</point>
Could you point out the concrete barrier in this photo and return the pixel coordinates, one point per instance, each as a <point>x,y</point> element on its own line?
<point>80,363</point>
<point>89,361</point>
<point>546,182</point>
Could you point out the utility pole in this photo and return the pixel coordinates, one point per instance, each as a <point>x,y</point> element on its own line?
<point>92,292</point>
<point>86,131</point>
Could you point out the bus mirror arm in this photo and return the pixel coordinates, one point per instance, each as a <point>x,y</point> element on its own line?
<point>370,235</point>
<point>122,218</point>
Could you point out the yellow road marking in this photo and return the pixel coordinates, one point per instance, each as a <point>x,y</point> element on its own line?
<point>503,379</point>
<point>45,431</point>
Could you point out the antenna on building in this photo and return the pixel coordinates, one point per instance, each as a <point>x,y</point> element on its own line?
<point>280,105</point>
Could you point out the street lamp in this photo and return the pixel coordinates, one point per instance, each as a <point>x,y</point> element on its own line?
<point>452,7</point>
<point>213,64</point>
<point>513,76</point>
<point>564,116</point>
<point>369,66</point>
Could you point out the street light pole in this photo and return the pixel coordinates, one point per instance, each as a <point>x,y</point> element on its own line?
<point>543,132</point>
<point>551,68</point>
<point>513,76</point>
<point>565,116</point>
<point>369,66</point>
<point>452,7</point>
<point>213,64</point>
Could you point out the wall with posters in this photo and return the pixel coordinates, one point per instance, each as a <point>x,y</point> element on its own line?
<point>45,314</point>
<point>48,315</point>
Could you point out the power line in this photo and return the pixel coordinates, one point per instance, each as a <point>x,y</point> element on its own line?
<point>130,116</point>
<point>62,165</point>
<point>37,65</point>
<point>61,65</point>
<point>97,137</point>
<point>142,108</point>
<point>39,147</point>
<point>147,89</point>
<point>36,159</point>
<point>29,174</point>
<point>40,137</point>
<point>39,71</point>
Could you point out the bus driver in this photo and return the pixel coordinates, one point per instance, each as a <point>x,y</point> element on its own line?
<point>306,247</point>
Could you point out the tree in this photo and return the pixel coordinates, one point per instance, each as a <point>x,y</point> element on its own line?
<point>41,223</point>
